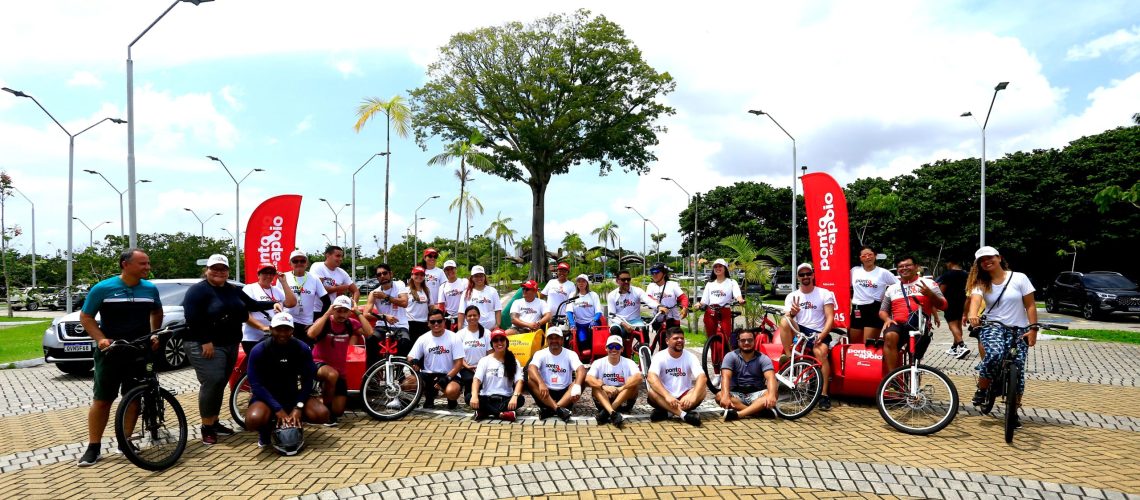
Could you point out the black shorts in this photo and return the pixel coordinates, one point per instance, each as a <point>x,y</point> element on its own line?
<point>903,332</point>
<point>866,315</point>
<point>555,394</point>
<point>954,310</point>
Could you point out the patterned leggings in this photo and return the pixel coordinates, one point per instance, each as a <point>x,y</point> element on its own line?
<point>996,340</point>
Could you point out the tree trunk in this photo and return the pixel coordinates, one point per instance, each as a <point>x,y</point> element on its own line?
<point>387,170</point>
<point>538,228</point>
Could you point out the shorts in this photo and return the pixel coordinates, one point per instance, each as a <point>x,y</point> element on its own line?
<point>494,404</point>
<point>749,397</point>
<point>866,315</point>
<point>555,394</point>
<point>904,334</point>
<point>341,388</point>
<point>827,339</point>
<point>954,310</point>
<point>113,376</point>
<point>678,397</point>
<point>625,407</point>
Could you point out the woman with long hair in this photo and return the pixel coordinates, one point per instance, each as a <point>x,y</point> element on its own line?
<point>584,313</point>
<point>475,347</point>
<point>485,297</point>
<point>720,290</point>
<point>497,383</point>
<point>418,298</point>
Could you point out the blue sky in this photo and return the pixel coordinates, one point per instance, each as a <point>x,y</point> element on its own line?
<point>867,90</point>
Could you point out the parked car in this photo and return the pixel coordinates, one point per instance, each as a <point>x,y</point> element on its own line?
<point>77,297</point>
<point>69,347</point>
<point>754,289</point>
<point>32,298</point>
<point>1096,294</point>
<point>367,286</point>
<point>782,283</point>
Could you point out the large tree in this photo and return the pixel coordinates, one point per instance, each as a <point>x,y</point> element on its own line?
<point>557,92</point>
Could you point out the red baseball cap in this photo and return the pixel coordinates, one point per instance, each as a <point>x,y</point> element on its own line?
<point>563,265</point>
<point>498,332</point>
<point>417,270</point>
<point>429,251</point>
<point>530,284</point>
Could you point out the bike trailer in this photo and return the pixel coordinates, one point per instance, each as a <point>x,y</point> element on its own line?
<point>524,345</point>
<point>857,369</point>
<point>355,364</point>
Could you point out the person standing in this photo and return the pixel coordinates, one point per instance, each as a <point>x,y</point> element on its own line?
<point>558,290</point>
<point>128,307</point>
<point>215,310</point>
<point>868,284</point>
<point>337,282</point>
<point>433,275</point>
<point>485,297</point>
<point>418,298</point>
<point>312,299</point>
<point>266,290</point>
<point>952,282</point>
<point>451,293</point>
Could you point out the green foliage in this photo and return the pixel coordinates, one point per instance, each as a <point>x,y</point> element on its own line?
<point>1113,194</point>
<point>1103,335</point>
<point>22,342</point>
<point>754,209</point>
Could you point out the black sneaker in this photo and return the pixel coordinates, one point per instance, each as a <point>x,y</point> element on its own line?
<point>730,415</point>
<point>209,436</point>
<point>616,419</point>
<point>825,403</point>
<point>223,430</point>
<point>979,397</point>
<point>545,413</point>
<point>332,421</point>
<point>452,404</point>
<point>429,404</point>
<point>603,417</point>
<point>563,413</point>
<point>263,438</point>
<point>658,415</point>
<point>90,456</point>
<point>1016,422</point>
<point>692,419</point>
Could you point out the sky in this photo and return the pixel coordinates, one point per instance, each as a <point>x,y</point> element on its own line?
<point>866,89</point>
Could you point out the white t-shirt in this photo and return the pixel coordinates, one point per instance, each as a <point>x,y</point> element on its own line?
<point>628,305</point>
<point>254,290</point>
<point>811,312</point>
<point>438,354</point>
<point>385,306</point>
<point>529,311</point>
<point>557,372</point>
<point>309,291</point>
<point>585,307</point>
<point>1010,310</point>
<point>611,374</point>
<point>720,294</point>
<point>451,294</point>
<point>434,278</point>
<point>488,303</point>
<point>475,347</point>
<point>869,286</point>
<point>330,277</point>
<point>556,293</point>
<point>492,375</point>
<point>668,298</point>
<point>417,306</point>
<point>677,374</point>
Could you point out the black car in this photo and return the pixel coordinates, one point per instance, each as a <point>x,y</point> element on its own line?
<point>1095,295</point>
<point>367,286</point>
<point>77,297</point>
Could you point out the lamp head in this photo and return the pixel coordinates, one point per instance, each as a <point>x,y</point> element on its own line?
<point>120,121</point>
<point>215,158</point>
<point>666,178</point>
<point>434,197</point>
<point>1001,86</point>
<point>322,199</point>
<point>967,114</point>
<point>90,171</point>
<point>144,180</point>
<point>259,170</point>
<point>756,112</point>
<point>187,209</point>
<point>196,2</point>
<point>16,93</point>
<point>382,154</point>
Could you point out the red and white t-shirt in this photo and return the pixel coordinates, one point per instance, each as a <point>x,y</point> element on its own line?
<point>895,301</point>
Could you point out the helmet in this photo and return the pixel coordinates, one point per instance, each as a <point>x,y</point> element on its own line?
<point>288,441</point>
<point>659,266</point>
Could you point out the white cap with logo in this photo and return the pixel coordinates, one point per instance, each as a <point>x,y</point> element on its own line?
<point>720,262</point>
<point>281,319</point>
<point>218,259</point>
<point>450,263</point>
<point>805,265</point>
<point>614,339</point>
<point>477,270</point>
<point>985,252</point>
<point>342,302</point>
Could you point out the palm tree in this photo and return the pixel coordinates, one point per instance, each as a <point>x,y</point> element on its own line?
<point>500,230</point>
<point>465,201</point>
<point>573,244</point>
<point>606,234</point>
<point>657,239</point>
<point>746,257</point>
<point>397,116</point>
<point>466,153</point>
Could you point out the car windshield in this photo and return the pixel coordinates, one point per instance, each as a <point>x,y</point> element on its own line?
<point>783,276</point>
<point>1108,281</point>
<point>171,293</point>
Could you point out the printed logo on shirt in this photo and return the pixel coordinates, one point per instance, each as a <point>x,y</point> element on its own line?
<point>492,372</point>
<point>718,293</point>
<point>626,302</point>
<point>613,378</point>
<point>808,305</point>
<point>527,310</point>
<point>555,369</point>
<point>470,344</point>
<point>676,372</point>
<point>439,350</point>
<point>865,283</point>
<point>328,281</point>
<point>481,300</point>
<point>454,292</point>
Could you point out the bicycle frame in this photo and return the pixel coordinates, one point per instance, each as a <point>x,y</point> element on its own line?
<point>799,348</point>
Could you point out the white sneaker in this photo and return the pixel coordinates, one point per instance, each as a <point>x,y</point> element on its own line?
<point>963,352</point>
<point>395,404</point>
<point>952,351</point>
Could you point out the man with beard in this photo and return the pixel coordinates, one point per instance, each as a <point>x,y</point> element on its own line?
<point>530,313</point>
<point>387,305</point>
<point>812,310</point>
<point>676,381</point>
<point>554,377</point>
<point>337,282</point>
<point>748,380</point>
<point>903,301</point>
<point>437,358</point>
<point>558,290</point>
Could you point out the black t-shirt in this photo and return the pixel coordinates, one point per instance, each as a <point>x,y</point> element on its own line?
<point>955,281</point>
<point>215,313</point>
<point>278,373</point>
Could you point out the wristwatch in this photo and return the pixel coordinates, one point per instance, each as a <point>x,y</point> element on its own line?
<point>300,405</point>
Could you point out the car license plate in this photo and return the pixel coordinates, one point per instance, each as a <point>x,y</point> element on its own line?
<point>77,347</point>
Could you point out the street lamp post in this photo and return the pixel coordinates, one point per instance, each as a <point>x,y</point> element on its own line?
<point>415,237</point>
<point>336,219</point>
<point>695,226</point>
<point>644,267</point>
<point>237,208</point>
<point>122,229</point>
<point>133,238</point>
<point>657,246</point>
<point>354,211</point>
<point>70,181</point>
<point>982,208</point>
<point>91,230</point>
<point>758,112</point>
<point>416,222</point>
<point>228,232</point>
<point>201,221</point>
<point>21,193</point>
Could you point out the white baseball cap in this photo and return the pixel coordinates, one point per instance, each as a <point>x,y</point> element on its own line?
<point>217,259</point>
<point>720,262</point>
<point>343,302</point>
<point>450,263</point>
<point>298,253</point>
<point>805,265</point>
<point>281,319</point>
<point>582,277</point>
<point>477,270</point>
<point>614,339</point>
<point>985,251</point>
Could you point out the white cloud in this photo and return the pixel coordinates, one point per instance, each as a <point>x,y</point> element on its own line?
<point>1126,41</point>
<point>230,94</point>
<point>347,68</point>
<point>85,79</point>
<point>304,125</point>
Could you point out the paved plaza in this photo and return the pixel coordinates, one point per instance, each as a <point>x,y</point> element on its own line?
<point>1081,440</point>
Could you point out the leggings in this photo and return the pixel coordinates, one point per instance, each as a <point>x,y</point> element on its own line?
<point>213,373</point>
<point>997,339</point>
<point>725,318</point>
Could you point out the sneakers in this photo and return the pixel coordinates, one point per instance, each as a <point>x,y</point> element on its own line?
<point>979,397</point>
<point>223,430</point>
<point>953,350</point>
<point>563,413</point>
<point>395,404</point>
<point>603,417</point>
<point>507,416</point>
<point>963,352</point>
<point>209,435</point>
<point>825,403</point>
<point>692,419</point>
<point>616,419</point>
<point>658,415</point>
<point>332,421</point>
<point>1016,422</point>
<point>90,456</point>
<point>262,439</point>
<point>429,404</point>
<point>545,413</point>
<point>452,404</point>
<point>730,415</point>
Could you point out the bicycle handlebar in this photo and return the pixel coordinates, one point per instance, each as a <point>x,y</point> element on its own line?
<point>1038,325</point>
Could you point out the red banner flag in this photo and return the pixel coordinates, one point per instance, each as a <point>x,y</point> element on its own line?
<point>271,234</point>
<point>830,243</point>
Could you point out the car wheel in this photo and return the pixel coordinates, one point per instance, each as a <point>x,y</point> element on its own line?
<point>1088,311</point>
<point>1051,305</point>
<point>33,305</point>
<point>172,354</point>
<point>76,368</point>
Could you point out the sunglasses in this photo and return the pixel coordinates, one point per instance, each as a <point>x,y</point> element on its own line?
<point>804,275</point>
<point>219,269</point>
<point>745,341</point>
<point>383,273</point>
<point>432,256</point>
<point>614,347</point>
<point>498,340</point>
<point>298,261</point>
<point>435,321</point>
<point>625,280</point>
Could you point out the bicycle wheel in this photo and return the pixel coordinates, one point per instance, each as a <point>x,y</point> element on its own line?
<point>644,357</point>
<point>800,397</point>
<point>390,390</point>
<point>159,435</point>
<point>1011,400</point>
<point>930,409</point>
<point>239,400</point>
<point>710,361</point>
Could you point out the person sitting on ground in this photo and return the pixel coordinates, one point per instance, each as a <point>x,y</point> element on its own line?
<point>529,314</point>
<point>911,296</point>
<point>676,381</point>
<point>748,380</point>
<point>339,327</point>
<point>812,310</point>
<point>498,382</point>
<point>281,375</point>
<point>437,356</point>
<point>614,382</point>
<point>554,377</point>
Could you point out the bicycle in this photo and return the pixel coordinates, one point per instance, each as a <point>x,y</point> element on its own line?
<point>645,351</point>
<point>910,398</point>
<point>800,381</point>
<point>1004,383</point>
<point>152,444</point>
<point>390,387</point>
<point>714,350</point>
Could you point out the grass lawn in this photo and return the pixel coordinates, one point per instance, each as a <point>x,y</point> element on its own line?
<point>22,342</point>
<point>5,319</point>
<point>1103,335</point>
